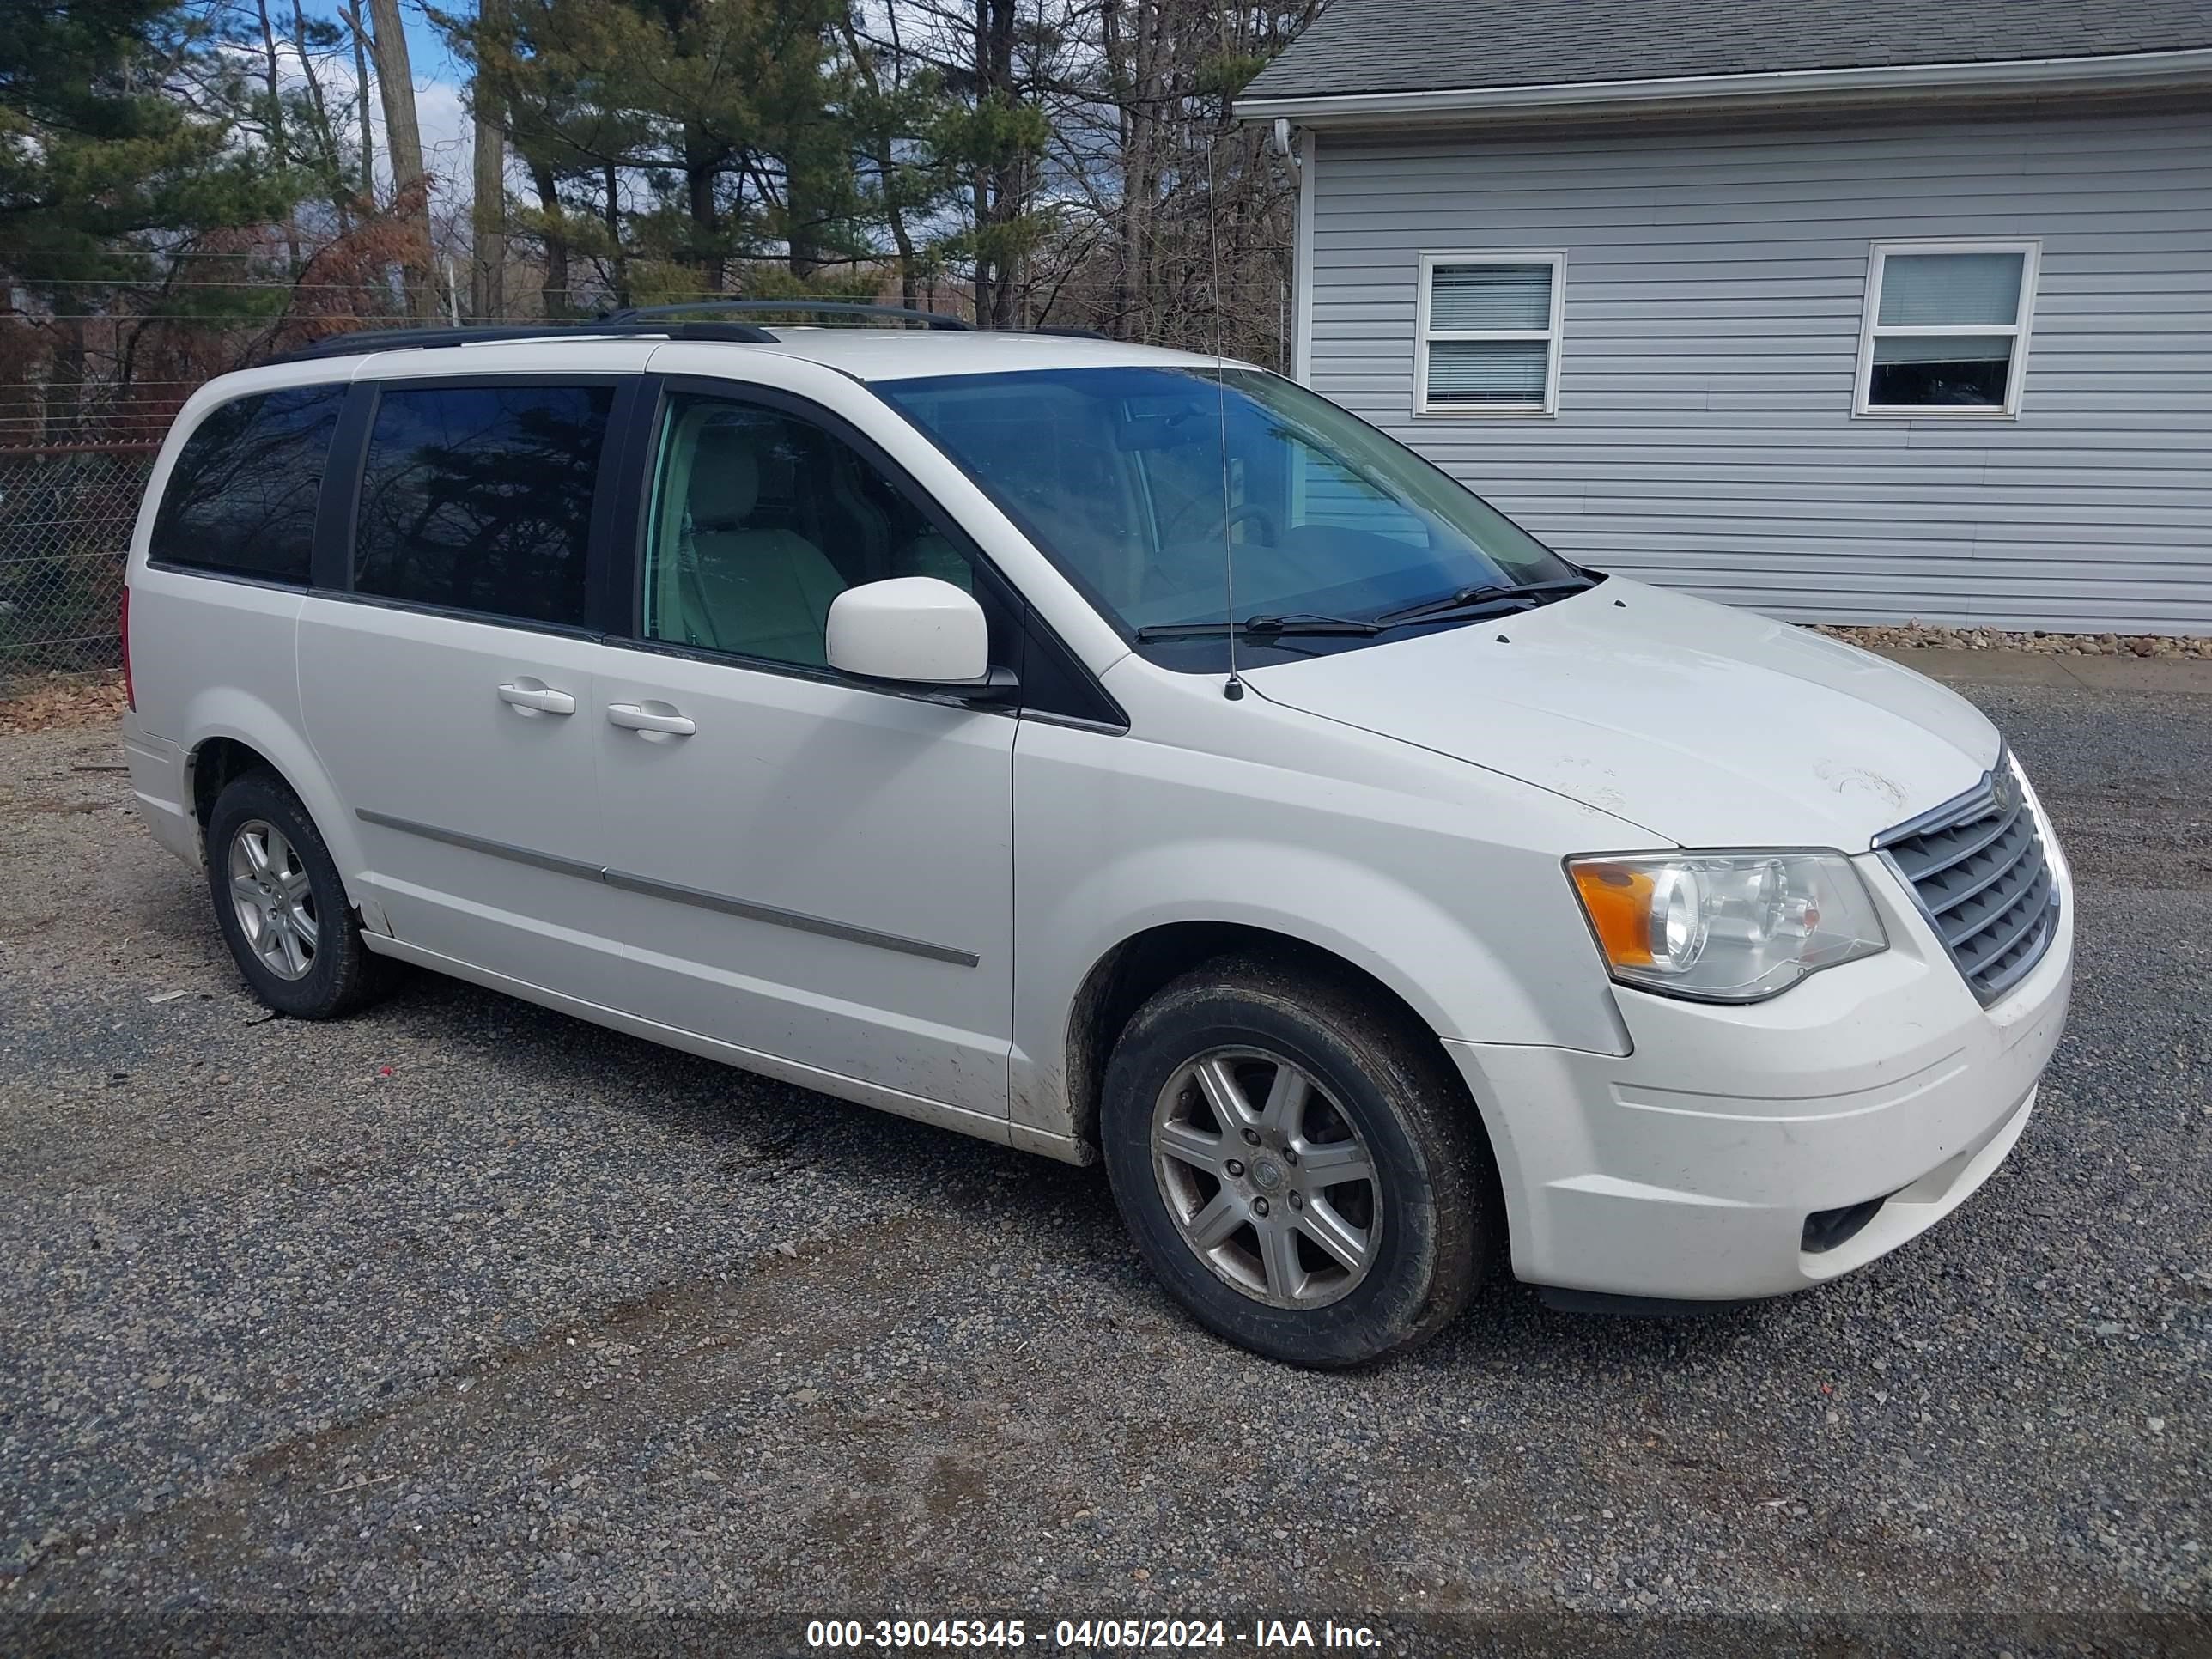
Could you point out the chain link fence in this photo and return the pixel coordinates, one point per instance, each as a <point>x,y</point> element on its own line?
<point>66,512</point>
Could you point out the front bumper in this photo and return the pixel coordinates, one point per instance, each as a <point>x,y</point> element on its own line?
<point>1688,1168</point>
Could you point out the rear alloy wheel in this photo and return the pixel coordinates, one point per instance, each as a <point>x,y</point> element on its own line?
<point>281,906</point>
<point>273,900</point>
<point>1297,1163</point>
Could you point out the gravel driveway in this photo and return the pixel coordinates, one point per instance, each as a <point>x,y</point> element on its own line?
<point>460,1310</point>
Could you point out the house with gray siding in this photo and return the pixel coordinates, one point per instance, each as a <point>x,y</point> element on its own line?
<point>1844,310</point>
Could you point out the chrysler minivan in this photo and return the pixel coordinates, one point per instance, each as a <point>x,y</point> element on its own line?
<point>1116,754</point>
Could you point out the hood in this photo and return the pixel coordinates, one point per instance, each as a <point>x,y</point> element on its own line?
<point>1708,727</point>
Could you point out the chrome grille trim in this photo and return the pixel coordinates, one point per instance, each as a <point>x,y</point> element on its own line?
<point>1978,872</point>
<point>1960,855</point>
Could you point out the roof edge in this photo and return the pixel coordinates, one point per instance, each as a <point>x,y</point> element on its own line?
<point>2110,72</point>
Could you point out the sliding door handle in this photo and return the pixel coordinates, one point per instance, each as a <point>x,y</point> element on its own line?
<point>536,696</point>
<point>636,717</point>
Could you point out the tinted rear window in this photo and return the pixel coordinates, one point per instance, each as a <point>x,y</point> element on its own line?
<point>242,497</point>
<point>479,498</point>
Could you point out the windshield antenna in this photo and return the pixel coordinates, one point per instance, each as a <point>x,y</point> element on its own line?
<point>1235,689</point>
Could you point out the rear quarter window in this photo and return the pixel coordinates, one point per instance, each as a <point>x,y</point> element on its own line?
<point>242,500</point>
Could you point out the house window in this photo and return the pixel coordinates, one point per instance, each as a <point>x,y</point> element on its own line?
<point>1945,328</point>
<point>1488,334</point>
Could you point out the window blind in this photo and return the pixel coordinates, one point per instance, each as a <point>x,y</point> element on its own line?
<point>1487,371</point>
<point>1954,289</point>
<point>1489,297</point>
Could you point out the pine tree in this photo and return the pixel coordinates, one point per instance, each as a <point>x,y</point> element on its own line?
<point>128,157</point>
<point>99,159</point>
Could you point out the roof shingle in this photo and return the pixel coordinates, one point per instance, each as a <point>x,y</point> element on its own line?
<point>1436,45</point>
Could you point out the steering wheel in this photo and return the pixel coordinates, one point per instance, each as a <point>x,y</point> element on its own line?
<point>1226,521</point>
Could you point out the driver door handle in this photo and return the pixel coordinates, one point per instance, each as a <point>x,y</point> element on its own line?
<point>632,717</point>
<point>543,698</point>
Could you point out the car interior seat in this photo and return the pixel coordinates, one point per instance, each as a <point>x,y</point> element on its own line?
<point>765,592</point>
<point>893,537</point>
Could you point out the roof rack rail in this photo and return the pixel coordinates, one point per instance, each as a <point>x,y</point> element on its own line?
<point>404,339</point>
<point>936,319</point>
<point>657,321</point>
<point>941,320</point>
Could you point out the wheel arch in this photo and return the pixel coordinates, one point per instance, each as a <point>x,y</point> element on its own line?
<point>211,765</point>
<point>231,741</point>
<point>1132,970</point>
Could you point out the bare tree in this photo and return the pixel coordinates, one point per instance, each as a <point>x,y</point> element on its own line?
<point>553,291</point>
<point>318,116</point>
<point>488,239</point>
<point>279,151</point>
<point>358,27</point>
<point>877,135</point>
<point>403,142</point>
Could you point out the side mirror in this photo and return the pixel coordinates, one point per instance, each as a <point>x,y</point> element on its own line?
<point>916,629</point>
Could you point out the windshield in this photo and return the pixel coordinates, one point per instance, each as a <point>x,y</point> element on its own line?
<point>1142,482</point>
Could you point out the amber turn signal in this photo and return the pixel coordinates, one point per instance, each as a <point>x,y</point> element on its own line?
<point>1618,901</point>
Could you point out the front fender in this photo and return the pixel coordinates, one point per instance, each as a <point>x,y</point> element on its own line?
<point>1446,888</point>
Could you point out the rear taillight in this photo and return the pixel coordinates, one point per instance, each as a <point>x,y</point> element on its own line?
<point>130,696</point>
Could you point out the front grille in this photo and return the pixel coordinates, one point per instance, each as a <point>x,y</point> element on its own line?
<point>1978,867</point>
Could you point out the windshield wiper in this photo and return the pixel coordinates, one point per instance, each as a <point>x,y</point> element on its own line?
<point>1267,628</point>
<point>1477,598</point>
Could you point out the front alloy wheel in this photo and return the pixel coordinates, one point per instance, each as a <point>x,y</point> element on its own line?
<point>1296,1160</point>
<point>1264,1178</point>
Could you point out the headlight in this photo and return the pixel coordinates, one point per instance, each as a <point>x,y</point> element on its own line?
<point>1726,927</point>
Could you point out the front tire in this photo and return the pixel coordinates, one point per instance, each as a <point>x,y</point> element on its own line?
<point>1296,1164</point>
<point>281,905</point>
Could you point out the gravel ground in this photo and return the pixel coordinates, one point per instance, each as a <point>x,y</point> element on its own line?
<point>460,1311</point>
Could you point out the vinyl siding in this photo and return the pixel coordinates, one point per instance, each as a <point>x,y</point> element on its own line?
<point>1714,289</point>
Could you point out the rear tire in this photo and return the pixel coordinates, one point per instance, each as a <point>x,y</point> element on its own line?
<point>1296,1164</point>
<point>282,906</point>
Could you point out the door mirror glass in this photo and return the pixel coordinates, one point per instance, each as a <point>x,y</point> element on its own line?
<point>918,630</point>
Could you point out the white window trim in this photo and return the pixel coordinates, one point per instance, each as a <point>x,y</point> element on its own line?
<point>1302,260</point>
<point>2031,251</point>
<point>1422,335</point>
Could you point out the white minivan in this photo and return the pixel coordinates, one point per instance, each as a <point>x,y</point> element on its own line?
<point>1115,754</point>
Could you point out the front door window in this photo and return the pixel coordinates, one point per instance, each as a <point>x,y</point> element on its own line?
<point>760,518</point>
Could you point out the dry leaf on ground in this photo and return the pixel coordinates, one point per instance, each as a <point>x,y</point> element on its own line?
<point>48,702</point>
